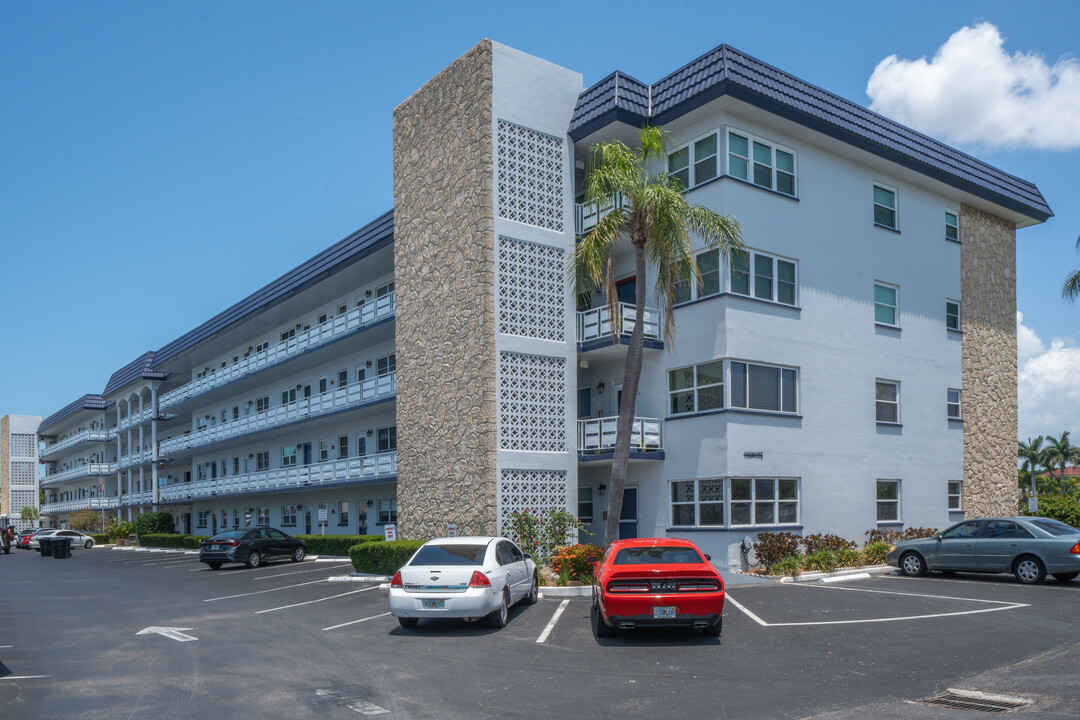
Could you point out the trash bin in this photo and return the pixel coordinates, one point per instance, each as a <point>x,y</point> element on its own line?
<point>61,548</point>
<point>45,547</point>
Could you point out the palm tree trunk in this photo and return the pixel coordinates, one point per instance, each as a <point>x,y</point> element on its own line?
<point>631,378</point>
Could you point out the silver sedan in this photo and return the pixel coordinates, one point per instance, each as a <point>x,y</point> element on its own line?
<point>1028,547</point>
<point>78,539</point>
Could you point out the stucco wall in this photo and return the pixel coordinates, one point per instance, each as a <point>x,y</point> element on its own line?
<point>988,319</point>
<point>444,270</point>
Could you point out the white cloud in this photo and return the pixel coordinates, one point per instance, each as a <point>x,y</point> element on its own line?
<point>1049,384</point>
<point>973,91</point>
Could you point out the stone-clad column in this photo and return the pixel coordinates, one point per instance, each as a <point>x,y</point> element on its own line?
<point>989,405</point>
<point>445,274</point>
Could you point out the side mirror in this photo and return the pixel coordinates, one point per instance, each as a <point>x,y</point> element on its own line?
<point>591,560</point>
<point>528,556</point>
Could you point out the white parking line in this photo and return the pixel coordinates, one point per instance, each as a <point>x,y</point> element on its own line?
<point>554,619</point>
<point>353,622</point>
<point>260,592</point>
<point>24,677</point>
<point>311,602</point>
<point>297,572</point>
<point>752,616</point>
<point>172,561</point>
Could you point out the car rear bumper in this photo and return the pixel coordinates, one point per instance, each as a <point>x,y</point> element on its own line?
<point>218,556</point>
<point>691,607</point>
<point>629,622</point>
<point>473,603</point>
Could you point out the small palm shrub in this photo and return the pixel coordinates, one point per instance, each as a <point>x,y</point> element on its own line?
<point>822,560</point>
<point>874,553</point>
<point>791,566</point>
<point>848,557</point>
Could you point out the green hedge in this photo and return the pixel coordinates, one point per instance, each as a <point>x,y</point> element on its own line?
<point>1063,509</point>
<point>193,542</point>
<point>335,544</point>
<point>100,538</point>
<point>162,540</point>
<point>383,558</point>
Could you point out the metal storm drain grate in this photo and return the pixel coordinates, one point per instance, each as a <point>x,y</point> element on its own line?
<point>977,701</point>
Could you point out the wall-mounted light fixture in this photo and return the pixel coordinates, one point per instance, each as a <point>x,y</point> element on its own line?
<point>600,387</point>
<point>367,293</point>
<point>370,432</point>
<point>370,503</point>
<point>601,489</point>
<point>367,364</point>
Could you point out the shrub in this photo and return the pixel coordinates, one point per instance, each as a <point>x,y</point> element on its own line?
<point>790,566</point>
<point>154,523</point>
<point>193,542</point>
<point>335,544</point>
<point>100,538</point>
<point>874,552</point>
<point>882,535</point>
<point>917,532</point>
<point>1063,509</point>
<point>773,547</point>
<point>541,533</point>
<point>848,557</point>
<point>87,521</point>
<point>572,560</point>
<point>382,558</point>
<point>162,540</point>
<point>118,530</point>
<point>822,560</point>
<point>816,542</point>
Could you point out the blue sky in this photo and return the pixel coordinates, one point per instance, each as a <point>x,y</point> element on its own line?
<point>160,161</point>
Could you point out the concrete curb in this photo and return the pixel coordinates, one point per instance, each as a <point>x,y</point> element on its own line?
<point>576,591</point>
<point>841,575</point>
<point>357,577</point>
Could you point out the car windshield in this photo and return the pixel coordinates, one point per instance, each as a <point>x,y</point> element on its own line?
<point>450,555</point>
<point>1054,527</point>
<point>657,555</point>
<point>230,535</point>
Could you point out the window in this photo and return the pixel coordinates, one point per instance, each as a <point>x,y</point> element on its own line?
<point>387,438</point>
<point>361,373</point>
<point>764,501</point>
<point>952,315</point>
<point>288,334</point>
<point>262,516</point>
<point>342,309</point>
<point>343,512</point>
<point>236,466</point>
<point>768,166</point>
<point>324,385</point>
<point>288,396</point>
<point>236,412</point>
<point>885,307</point>
<point>705,159</point>
<point>361,445</point>
<point>679,166</point>
<point>288,515</point>
<point>888,500</point>
<point>952,226</point>
<point>952,404</point>
<point>343,447</point>
<point>262,346</point>
<point>324,450</point>
<point>204,518</point>
<point>887,398</point>
<point>322,318</point>
<point>584,504</point>
<point>262,404</point>
<point>288,456</point>
<point>696,388</point>
<point>342,378</point>
<point>954,494</point>
<point>384,289</point>
<point>386,364</point>
<point>708,263</point>
<point>387,511</point>
<point>697,502</point>
<point>763,387</point>
<point>885,207</point>
<point>262,460</point>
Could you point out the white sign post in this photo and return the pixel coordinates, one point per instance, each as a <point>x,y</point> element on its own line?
<point>322,519</point>
<point>1033,505</point>
<point>390,532</point>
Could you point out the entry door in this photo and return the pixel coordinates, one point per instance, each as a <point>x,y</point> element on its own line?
<point>628,518</point>
<point>307,453</point>
<point>307,522</point>
<point>584,403</point>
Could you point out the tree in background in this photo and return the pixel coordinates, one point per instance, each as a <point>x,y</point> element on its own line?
<point>1059,453</point>
<point>1031,458</point>
<point>1071,290</point>
<point>153,523</point>
<point>29,514</point>
<point>87,521</point>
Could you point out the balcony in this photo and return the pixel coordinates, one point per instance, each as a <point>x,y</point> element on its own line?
<point>333,329</point>
<point>135,459</point>
<point>75,473</point>
<point>338,400</point>
<point>146,497</point>
<point>79,438</point>
<point>586,216</point>
<point>596,324</point>
<point>304,477</point>
<point>596,436</point>
<point>136,419</point>
<point>87,503</point>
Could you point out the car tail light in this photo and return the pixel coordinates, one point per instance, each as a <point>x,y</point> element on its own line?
<point>1075,549</point>
<point>628,587</point>
<point>395,582</point>
<point>699,586</point>
<point>479,579</point>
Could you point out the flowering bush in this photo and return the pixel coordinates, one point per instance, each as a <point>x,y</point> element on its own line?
<point>814,543</point>
<point>771,548</point>
<point>540,533</point>
<point>571,561</point>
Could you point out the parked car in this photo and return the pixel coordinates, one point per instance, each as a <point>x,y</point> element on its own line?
<point>32,541</point>
<point>23,538</point>
<point>1028,547</point>
<point>250,546</point>
<point>656,582</point>
<point>463,577</point>
<point>78,539</point>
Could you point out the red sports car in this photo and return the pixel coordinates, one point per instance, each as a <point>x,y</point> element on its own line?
<point>656,582</point>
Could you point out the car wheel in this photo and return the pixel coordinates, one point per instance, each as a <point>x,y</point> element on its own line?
<point>298,554</point>
<point>534,591</point>
<point>498,618</point>
<point>1029,570</point>
<point>88,544</point>
<point>408,622</point>
<point>214,565</point>
<point>253,559</point>
<point>913,564</point>
<point>1065,577</point>
<point>599,627</point>
<point>715,629</point>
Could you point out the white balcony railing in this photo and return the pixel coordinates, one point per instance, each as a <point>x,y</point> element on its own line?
<point>596,323</point>
<point>597,435</point>
<point>341,399</point>
<point>134,459</point>
<point>87,503</point>
<point>76,439</point>
<point>586,216</point>
<point>146,497</point>
<point>88,470</point>
<point>309,339</point>
<point>292,478</point>
<point>136,419</point>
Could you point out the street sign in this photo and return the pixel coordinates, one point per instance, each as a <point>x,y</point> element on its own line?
<point>451,530</point>
<point>322,514</point>
<point>390,532</point>
<point>1033,505</point>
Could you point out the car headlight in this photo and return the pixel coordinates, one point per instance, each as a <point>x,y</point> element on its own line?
<point>892,549</point>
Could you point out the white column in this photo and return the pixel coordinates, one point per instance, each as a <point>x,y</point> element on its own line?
<point>154,443</point>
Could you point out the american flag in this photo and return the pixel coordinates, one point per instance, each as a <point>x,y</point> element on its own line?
<point>100,485</point>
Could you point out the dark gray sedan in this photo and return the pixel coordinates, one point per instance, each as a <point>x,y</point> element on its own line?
<point>1029,547</point>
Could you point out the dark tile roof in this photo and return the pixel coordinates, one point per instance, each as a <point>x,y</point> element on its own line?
<point>373,236</point>
<point>86,402</point>
<point>726,71</point>
<point>139,368</point>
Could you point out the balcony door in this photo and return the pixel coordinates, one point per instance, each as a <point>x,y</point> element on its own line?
<point>584,403</point>
<point>628,517</point>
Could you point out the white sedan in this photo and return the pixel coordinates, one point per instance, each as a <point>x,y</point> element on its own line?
<point>463,577</point>
<point>78,539</point>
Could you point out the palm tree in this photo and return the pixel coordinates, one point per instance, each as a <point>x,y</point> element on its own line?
<point>661,227</point>
<point>1071,289</point>
<point>1060,452</point>
<point>1031,456</point>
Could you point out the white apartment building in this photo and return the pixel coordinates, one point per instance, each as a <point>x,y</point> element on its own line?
<point>857,371</point>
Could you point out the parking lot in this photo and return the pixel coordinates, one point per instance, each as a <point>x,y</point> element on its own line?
<point>137,634</point>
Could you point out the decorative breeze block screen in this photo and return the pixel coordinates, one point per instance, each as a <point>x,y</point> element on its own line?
<point>532,490</point>
<point>531,282</point>
<point>529,173</point>
<point>23,473</point>
<point>532,402</point>
<point>23,445</point>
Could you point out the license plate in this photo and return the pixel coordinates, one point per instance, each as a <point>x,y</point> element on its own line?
<point>433,604</point>
<point>215,547</point>
<point>667,611</point>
